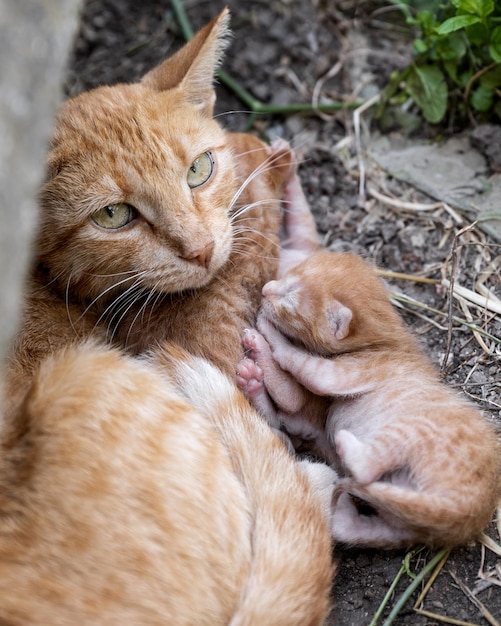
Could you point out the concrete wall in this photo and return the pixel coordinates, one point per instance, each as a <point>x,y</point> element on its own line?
<point>35,37</point>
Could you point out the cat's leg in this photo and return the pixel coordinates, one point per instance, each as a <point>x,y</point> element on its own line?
<point>286,392</point>
<point>322,479</point>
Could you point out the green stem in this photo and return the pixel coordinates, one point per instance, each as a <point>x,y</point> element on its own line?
<point>255,105</point>
<point>412,587</point>
<point>389,593</point>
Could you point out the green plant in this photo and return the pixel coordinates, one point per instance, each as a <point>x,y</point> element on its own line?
<point>456,67</point>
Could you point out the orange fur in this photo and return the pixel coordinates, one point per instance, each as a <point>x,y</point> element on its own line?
<point>137,484</point>
<point>423,457</point>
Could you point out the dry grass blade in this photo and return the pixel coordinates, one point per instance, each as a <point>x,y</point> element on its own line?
<point>408,300</point>
<point>488,303</point>
<point>469,318</point>
<point>410,277</point>
<point>489,543</point>
<point>480,606</point>
<point>400,204</point>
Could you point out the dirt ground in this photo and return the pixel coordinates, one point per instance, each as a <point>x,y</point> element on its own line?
<point>283,52</point>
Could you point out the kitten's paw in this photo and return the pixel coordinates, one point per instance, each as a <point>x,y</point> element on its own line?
<point>255,345</point>
<point>250,378</point>
<point>354,456</point>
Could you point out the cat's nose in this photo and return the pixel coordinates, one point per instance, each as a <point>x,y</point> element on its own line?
<point>202,256</point>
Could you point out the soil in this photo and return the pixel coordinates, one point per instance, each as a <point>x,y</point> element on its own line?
<point>280,51</point>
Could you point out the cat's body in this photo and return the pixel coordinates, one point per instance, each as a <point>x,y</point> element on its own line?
<point>151,493</point>
<point>137,484</point>
<point>423,457</point>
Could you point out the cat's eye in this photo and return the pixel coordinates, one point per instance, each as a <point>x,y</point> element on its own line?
<point>114,216</point>
<point>200,170</point>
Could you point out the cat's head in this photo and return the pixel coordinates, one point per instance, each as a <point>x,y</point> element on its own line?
<point>331,303</point>
<point>139,181</point>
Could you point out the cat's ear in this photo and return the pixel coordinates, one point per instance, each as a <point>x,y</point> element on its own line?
<point>193,67</point>
<point>339,318</point>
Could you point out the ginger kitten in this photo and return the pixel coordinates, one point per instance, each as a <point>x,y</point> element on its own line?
<point>335,364</point>
<point>137,484</point>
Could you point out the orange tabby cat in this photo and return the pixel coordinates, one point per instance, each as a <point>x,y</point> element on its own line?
<point>143,488</point>
<point>152,218</point>
<point>423,457</point>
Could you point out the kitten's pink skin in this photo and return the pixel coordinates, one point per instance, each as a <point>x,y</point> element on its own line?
<point>420,455</point>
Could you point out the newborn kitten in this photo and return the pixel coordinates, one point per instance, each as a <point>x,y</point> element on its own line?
<point>421,456</point>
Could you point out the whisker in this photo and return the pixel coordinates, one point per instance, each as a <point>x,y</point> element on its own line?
<point>108,289</point>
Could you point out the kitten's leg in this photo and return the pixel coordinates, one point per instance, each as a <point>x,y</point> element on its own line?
<point>324,377</point>
<point>351,527</point>
<point>284,390</point>
<point>356,457</point>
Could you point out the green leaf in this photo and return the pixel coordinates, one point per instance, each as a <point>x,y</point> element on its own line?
<point>420,46</point>
<point>482,8</point>
<point>495,44</point>
<point>455,23</point>
<point>452,48</point>
<point>482,98</point>
<point>492,78</point>
<point>427,87</point>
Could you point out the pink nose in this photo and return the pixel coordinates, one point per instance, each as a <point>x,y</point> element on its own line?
<point>270,288</point>
<point>202,256</point>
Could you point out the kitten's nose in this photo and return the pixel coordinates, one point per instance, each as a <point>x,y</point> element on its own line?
<point>202,256</point>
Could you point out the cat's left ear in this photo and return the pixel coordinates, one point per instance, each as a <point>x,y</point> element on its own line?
<point>339,318</point>
<point>191,70</point>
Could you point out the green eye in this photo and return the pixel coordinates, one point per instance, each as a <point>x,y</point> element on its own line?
<point>200,170</point>
<point>114,216</point>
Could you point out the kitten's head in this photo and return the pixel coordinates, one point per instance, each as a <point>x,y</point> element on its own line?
<point>139,181</point>
<point>331,303</point>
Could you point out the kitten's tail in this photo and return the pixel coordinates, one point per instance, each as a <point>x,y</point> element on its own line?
<point>291,571</point>
<point>406,516</point>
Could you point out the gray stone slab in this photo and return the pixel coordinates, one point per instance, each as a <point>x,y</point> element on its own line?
<point>452,171</point>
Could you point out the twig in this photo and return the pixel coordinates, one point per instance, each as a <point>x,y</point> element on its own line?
<point>480,606</point>
<point>358,144</point>
<point>454,264</point>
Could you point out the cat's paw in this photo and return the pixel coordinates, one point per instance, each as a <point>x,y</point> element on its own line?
<point>250,378</point>
<point>322,479</point>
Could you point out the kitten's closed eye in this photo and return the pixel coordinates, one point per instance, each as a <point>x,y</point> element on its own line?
<point>114,216</point>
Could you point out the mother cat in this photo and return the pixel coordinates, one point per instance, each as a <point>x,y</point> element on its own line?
<point>137,485</point>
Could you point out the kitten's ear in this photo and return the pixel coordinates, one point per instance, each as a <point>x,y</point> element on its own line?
<point>339,318</point>
<point>192,68</point>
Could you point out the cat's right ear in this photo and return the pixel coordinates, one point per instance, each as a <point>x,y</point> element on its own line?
<point>339,318</point>
<point>191,70</point>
